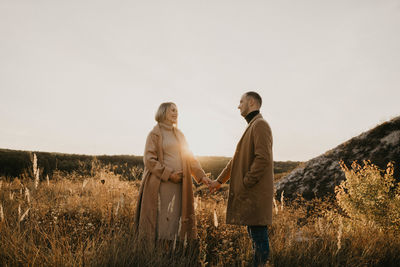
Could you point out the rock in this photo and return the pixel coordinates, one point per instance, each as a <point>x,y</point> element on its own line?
<point>319,176</point>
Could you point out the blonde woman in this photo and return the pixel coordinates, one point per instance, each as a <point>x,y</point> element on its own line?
<point>165,208</point>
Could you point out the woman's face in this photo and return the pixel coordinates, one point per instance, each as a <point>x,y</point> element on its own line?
<point>172,114</point>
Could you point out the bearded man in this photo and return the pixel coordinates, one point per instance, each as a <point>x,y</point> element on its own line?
<point>251,178</point>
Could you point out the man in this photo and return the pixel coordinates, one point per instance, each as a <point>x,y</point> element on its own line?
<point>251,178</point>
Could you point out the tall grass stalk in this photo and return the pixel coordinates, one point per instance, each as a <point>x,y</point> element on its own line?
<point>35,171</point>
<point>1,213</point>
<point>24,215</point>
<point>27,195</point>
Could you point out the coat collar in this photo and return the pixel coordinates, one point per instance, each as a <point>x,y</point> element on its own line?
<point>254,119</point>
<point>166,126</point>
<point>157,130</point>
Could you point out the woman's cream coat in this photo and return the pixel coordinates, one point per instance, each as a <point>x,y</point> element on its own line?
<point>154,173</point>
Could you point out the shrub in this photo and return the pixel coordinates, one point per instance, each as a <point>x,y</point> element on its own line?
<point>370,195</point>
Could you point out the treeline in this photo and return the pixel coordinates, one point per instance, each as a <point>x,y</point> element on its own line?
<point>15,163</point>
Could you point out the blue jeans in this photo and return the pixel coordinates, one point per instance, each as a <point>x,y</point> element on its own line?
<point>259,237</point>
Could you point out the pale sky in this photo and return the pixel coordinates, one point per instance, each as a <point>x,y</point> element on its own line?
<point>87,76</point>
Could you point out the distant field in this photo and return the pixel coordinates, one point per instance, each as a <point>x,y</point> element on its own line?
<point>14,163</point>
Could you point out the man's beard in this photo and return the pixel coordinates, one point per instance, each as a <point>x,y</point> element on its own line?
<point>245,111</point>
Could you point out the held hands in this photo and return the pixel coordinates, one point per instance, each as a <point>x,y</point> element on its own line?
<point>176,177</point>
<point>205,180</point>
<point>214,186</point>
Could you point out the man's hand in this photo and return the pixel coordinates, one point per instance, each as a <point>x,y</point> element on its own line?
<point>176,177</point>
<point>214,186</point>
<point>205,180</point>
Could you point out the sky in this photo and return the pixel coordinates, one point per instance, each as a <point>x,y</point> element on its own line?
<point>87,76</point>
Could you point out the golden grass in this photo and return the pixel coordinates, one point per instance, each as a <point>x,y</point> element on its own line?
<point>80,221</point>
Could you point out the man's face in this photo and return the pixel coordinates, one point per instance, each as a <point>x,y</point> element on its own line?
<point>244,106</point>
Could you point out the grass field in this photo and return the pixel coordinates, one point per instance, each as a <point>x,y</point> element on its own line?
<point>88,221</point>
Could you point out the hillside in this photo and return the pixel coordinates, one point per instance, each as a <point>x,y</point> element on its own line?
<point>320,175</point>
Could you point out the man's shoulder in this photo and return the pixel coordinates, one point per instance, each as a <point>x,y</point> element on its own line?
<point>260,120</point>
<point>261,124</point>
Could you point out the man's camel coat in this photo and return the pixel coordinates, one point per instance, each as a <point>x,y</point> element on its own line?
<point>251,176</point>
<point>154,173</point>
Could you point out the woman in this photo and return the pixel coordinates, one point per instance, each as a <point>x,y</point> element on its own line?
<point>165,208</point>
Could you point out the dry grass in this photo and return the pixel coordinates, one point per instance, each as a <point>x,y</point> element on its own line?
<point>79,221</point>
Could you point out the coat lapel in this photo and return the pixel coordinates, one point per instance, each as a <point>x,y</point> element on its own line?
<point>247,128</point>
<point>188,221</point>
<point>157,131</point>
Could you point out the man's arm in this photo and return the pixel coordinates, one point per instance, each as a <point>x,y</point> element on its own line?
<point>263,153</point>
<point>224,176</point>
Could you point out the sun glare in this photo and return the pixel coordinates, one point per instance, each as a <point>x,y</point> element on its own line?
<point>204,141</point>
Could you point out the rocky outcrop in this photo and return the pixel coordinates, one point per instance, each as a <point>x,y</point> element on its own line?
<point>319,176</point>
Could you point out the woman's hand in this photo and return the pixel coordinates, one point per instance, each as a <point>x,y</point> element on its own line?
<point>176,177</point>
<point>205,180</point>
<point>214,186</point>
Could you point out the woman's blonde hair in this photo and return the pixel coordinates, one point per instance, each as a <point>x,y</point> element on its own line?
<point>162,111</point>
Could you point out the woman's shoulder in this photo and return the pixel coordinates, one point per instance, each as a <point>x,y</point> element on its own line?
<point>180,134</point>
<point>178,131</point>
<point>154,134</point>
<point>156,130</point>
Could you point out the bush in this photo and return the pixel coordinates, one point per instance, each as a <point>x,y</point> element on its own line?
<point>370,195</point>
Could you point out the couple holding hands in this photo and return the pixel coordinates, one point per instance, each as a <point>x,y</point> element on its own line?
<point>165,207</point>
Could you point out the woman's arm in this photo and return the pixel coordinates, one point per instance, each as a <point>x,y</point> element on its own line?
<point>195,168</point>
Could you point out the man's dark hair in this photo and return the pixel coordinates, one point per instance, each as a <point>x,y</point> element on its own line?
<point>255,96</point>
